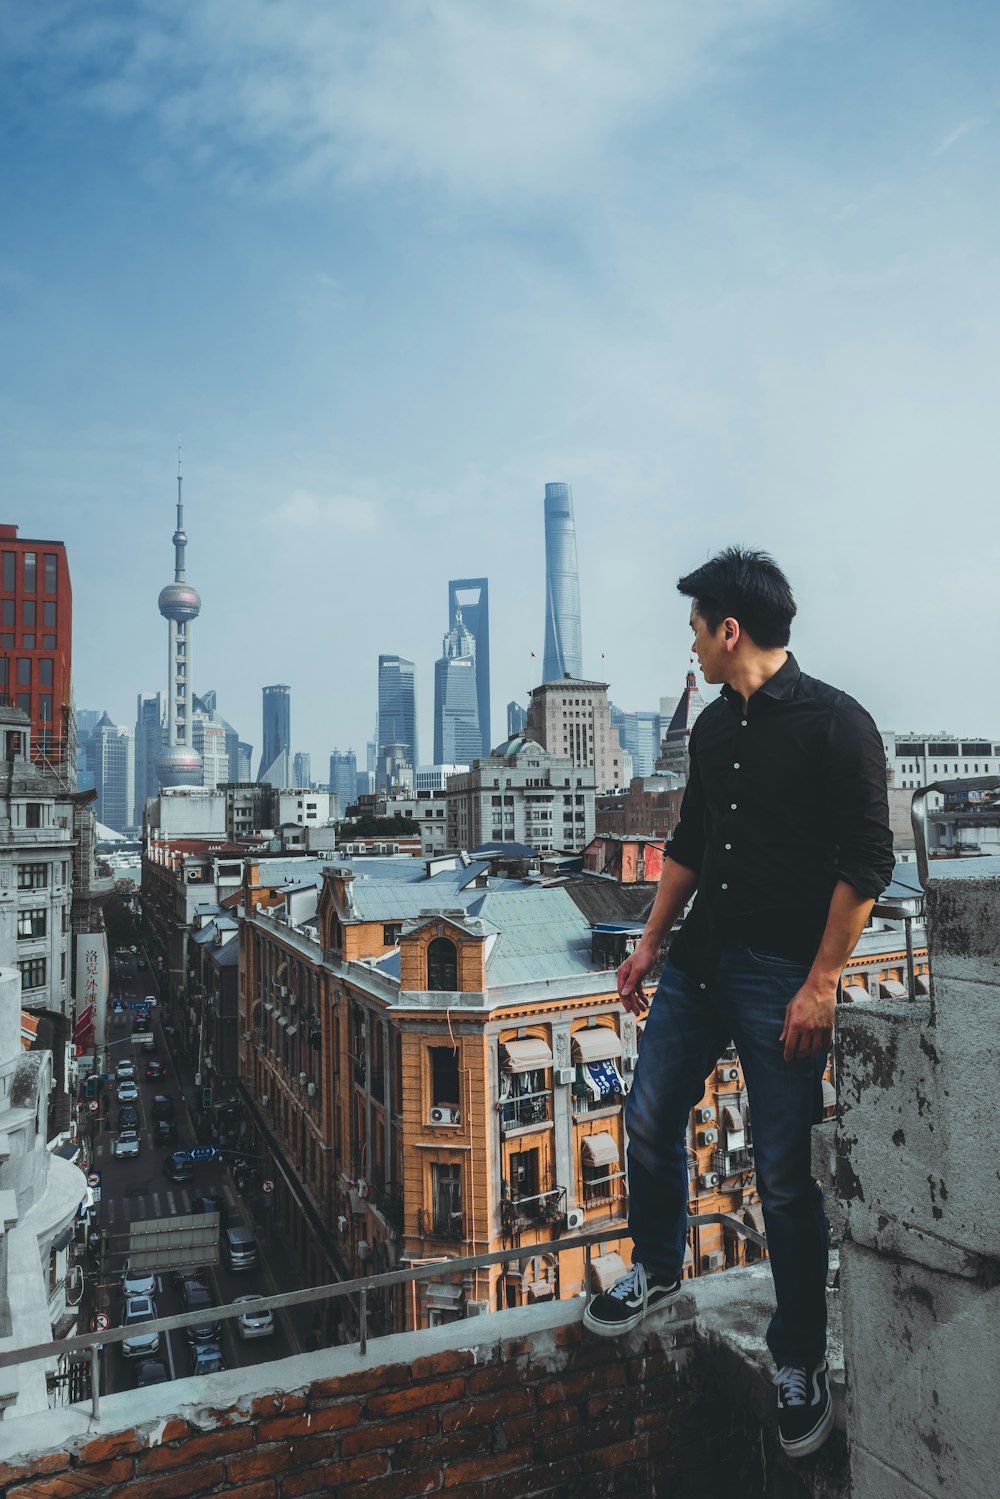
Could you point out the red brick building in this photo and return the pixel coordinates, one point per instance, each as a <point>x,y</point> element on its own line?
<point>36,641</point>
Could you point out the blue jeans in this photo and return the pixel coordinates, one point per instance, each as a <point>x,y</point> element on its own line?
<point>686,1031</point>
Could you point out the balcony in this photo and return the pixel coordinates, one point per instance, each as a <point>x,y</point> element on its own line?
<point>523,1110</point>
<point>532,1209</point>
<point>441,1225</point>
<point>732,1162</point>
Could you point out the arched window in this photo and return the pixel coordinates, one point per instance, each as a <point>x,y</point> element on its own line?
<point>442,965</point>
<point>336,933</point>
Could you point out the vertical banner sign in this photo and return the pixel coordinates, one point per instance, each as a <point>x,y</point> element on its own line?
<point>91,990</point>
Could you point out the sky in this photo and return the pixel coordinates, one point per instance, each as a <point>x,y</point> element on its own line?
<point>727,267</point>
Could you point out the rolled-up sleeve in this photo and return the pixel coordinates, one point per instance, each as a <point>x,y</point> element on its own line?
<point>858,802</point>
<point>687,845</point>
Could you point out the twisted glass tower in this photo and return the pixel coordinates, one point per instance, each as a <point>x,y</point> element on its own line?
<point>563,643</point>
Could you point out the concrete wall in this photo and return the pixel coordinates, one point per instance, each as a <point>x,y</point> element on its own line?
<point>916,1169</point>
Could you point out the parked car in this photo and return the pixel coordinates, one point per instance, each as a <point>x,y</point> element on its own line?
<point>127,1091</point>
<point>206,1358</point>
<point>178,1166</point>
<point>162,1107</point>
<point>137,1282</point>
<point>164,1132</point>
<point>155,1069</point>
<point>128,1116</point>
<point>196,1297</point>
<point>125,1068</point>
<point>139,1309</point>
<point>128,1143</point>
<point>254,1324</point>
<point>151,1371</point>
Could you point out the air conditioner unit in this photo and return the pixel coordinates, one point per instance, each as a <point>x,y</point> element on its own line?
<point>303,1079</point>
<point>628,1062</point>
<point>565,1075</point>
<point>708,1137</point>
<point>362,1249</point>
<point>341,1224</point>
<point>704,1116</point>
<point>264,1099</point>
<point>575,1218</point>
<point>729,1074</point>
<point>709,1179</point>
<point>444,1114</point>
<point>477,1308</point>
<point>713,1261</point>
<point>311,1089</point>
<point>362,1187</point>
<point>284,990</point>
<point>247,1037</point>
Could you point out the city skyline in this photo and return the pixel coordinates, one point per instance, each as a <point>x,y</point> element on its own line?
<point>724,306</point>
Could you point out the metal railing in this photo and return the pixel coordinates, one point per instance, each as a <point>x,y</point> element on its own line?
<point>91,1343</point>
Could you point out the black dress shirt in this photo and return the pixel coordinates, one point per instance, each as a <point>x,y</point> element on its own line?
<point>783,800</point>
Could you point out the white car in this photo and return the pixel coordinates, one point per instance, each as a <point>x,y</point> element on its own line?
<point>254,1324</point>
<point>150,1000</point>
<point>127,1091</point>
<point>125,1069</point>
<point>128,1143</point>
<point>137,1283</point>
<point>140,1309</point>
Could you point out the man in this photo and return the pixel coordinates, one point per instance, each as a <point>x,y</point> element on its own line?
<point>784,835</point>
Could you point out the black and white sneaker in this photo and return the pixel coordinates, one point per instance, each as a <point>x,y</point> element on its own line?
<point>617,1311</point>
<point>805,1408</point>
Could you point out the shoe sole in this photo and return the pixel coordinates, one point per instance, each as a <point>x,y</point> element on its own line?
<point>618,1329</point>
<point>813,1440</point>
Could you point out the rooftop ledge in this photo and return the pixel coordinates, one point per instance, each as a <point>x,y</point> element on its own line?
<point>514,1403</point>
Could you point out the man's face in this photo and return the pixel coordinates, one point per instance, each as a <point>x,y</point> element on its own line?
<point>710,648</point>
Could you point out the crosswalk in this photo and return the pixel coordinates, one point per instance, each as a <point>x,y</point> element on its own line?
<point>150,1204</point>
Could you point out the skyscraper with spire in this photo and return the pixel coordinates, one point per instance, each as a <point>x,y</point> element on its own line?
<point>180,604</point>
<point>563,631</point>
<point>457,736</point>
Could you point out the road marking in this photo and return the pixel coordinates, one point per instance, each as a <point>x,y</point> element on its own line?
<point>186,1202</point>
<point>171,1204</point>
<point>99,1151</point>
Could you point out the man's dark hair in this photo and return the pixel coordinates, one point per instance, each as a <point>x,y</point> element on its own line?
<point>745,585</point>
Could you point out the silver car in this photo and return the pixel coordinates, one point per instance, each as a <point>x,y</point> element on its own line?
<point>254,1324</point>
<point>127,1091</point>
<point>139,1309</point>
<point>128,1143</point>
<point>137,1282</point>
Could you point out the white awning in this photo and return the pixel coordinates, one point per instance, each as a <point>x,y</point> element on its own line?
<point>443,1295</point>
<point>855,990</point>
<point>892,989</point>
<point>605,1269</point>
<point>596,1044</point>
<point>525,1056</point>
<point>829,1095</point>
<point>601,1150</point>
<point>922,981</point>
<point>732,1119</point>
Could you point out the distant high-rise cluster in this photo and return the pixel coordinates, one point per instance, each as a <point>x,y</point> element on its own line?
<point>179,764</point>
<point>563,630</point>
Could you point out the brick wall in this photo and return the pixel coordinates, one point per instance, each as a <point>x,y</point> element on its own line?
<point>531,1415</point>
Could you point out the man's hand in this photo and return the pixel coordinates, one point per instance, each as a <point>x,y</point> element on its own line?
<point>630,976</point>
<point>808,1029</point>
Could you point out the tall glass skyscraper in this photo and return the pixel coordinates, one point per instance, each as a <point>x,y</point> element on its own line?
<point>457,736</point>
<point>397,705</point>
<point>276,754</point>
<point>563,632</point>
<point>344,778</point>
<point>471,598</point>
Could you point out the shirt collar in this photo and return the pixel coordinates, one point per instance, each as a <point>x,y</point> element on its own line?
<point>782,686</point>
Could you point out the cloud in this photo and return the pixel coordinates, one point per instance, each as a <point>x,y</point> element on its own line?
<point>488,100</point>
<point>316,517</point>
<point>952,137</point>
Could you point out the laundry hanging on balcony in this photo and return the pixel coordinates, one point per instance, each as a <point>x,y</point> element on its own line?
<point>602,1080</point>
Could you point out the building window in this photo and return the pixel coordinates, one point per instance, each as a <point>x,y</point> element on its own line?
<point>524,1175</point>
<point>32,814</point>
<point>446,1199</point>
<point>442,965</point>
<point>8,612</point>
<point>49,614</point>
<point>390,932</point>
<point>9,580</point>
<point>32,876</point>
<point>23,671</point>
<point>444,1077</point>
<point>29,572</point>
<point>32,973</point>
<point>30,611</point>
<point>50,572</point>
<point>32,923</point>
<point>45,672</point>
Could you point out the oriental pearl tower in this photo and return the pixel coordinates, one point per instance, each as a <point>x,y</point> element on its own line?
<point>180,762</point>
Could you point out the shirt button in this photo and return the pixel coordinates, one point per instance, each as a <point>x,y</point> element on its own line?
<point>702,986</point>
<point>725,887</point>
<point>732,806</point>
<point>744,723</point>
<point>729,848</point>
<point>736,765</point>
